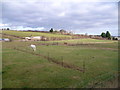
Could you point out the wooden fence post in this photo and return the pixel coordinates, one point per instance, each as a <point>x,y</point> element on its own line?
<point>48,56</point>
<point>83,66</point>
<point>62,60</point>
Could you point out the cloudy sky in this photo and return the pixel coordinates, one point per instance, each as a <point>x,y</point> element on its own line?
<point>74,15</point>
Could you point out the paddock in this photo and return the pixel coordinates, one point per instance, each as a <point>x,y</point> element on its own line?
<point>59,65</point>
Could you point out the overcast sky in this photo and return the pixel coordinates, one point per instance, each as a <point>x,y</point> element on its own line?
<point>73,15</point>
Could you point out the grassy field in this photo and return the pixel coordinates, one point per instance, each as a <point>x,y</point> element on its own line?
<point>26,70</point>
<point>26,34</point>
<point>84,40</point>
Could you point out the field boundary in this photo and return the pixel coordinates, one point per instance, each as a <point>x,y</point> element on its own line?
<point>59,44</point>
<point>63,64</point>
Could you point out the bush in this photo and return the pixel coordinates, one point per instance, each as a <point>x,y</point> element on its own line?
<point>103,35</point>
<point>51,30</point>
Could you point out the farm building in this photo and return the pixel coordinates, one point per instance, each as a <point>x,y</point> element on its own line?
<point>63,31</point>
<point>117,38</point>
<point>36,38</point>
<point>43,38</point>
<point>5,39</point>
<point>27,38</point>
<point>95,36</point>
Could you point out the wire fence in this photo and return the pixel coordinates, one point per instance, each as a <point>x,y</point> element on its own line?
<point>98,80</point>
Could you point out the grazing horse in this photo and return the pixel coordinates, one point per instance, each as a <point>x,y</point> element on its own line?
<point>33,47</point>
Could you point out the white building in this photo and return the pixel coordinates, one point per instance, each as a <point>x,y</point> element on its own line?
<point>5,39</point>
<point>118,38</point>
<point>34,38</point>
<point>27,38</point>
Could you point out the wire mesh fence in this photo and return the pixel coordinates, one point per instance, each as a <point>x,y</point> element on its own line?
<point>91,82</point>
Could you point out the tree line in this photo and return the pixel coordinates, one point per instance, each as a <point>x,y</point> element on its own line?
<point>5,28</point>
<point>106,35</point>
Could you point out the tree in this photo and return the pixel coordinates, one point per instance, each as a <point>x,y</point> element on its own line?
<point>103,34</point>
<point>51,30</point>
<point>8,29</point>
<point>108,35</point>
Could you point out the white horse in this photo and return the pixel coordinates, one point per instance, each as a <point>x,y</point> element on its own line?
<point>33,47</point>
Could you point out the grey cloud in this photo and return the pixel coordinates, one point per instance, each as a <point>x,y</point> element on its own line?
<point>77,16</point>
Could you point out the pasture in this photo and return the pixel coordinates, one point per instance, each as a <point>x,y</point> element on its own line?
<point>23,68</point>
<point>25,34</point>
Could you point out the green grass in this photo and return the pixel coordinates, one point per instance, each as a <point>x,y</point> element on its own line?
<point>23,70</point>
<point>86,40</point>
<point>25,34</point>
<point>31,71</point>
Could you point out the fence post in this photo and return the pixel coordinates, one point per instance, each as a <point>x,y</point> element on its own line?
<point>48,57</point>
<point>62,60</point>
<point>83,66</point>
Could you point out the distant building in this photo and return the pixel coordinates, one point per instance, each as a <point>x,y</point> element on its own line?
<point>63,31</point>
<point>36,38</point>
<point>95,36</point>
<point>27,38</point>
<point>117,38</point>
<point>5,39</point>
